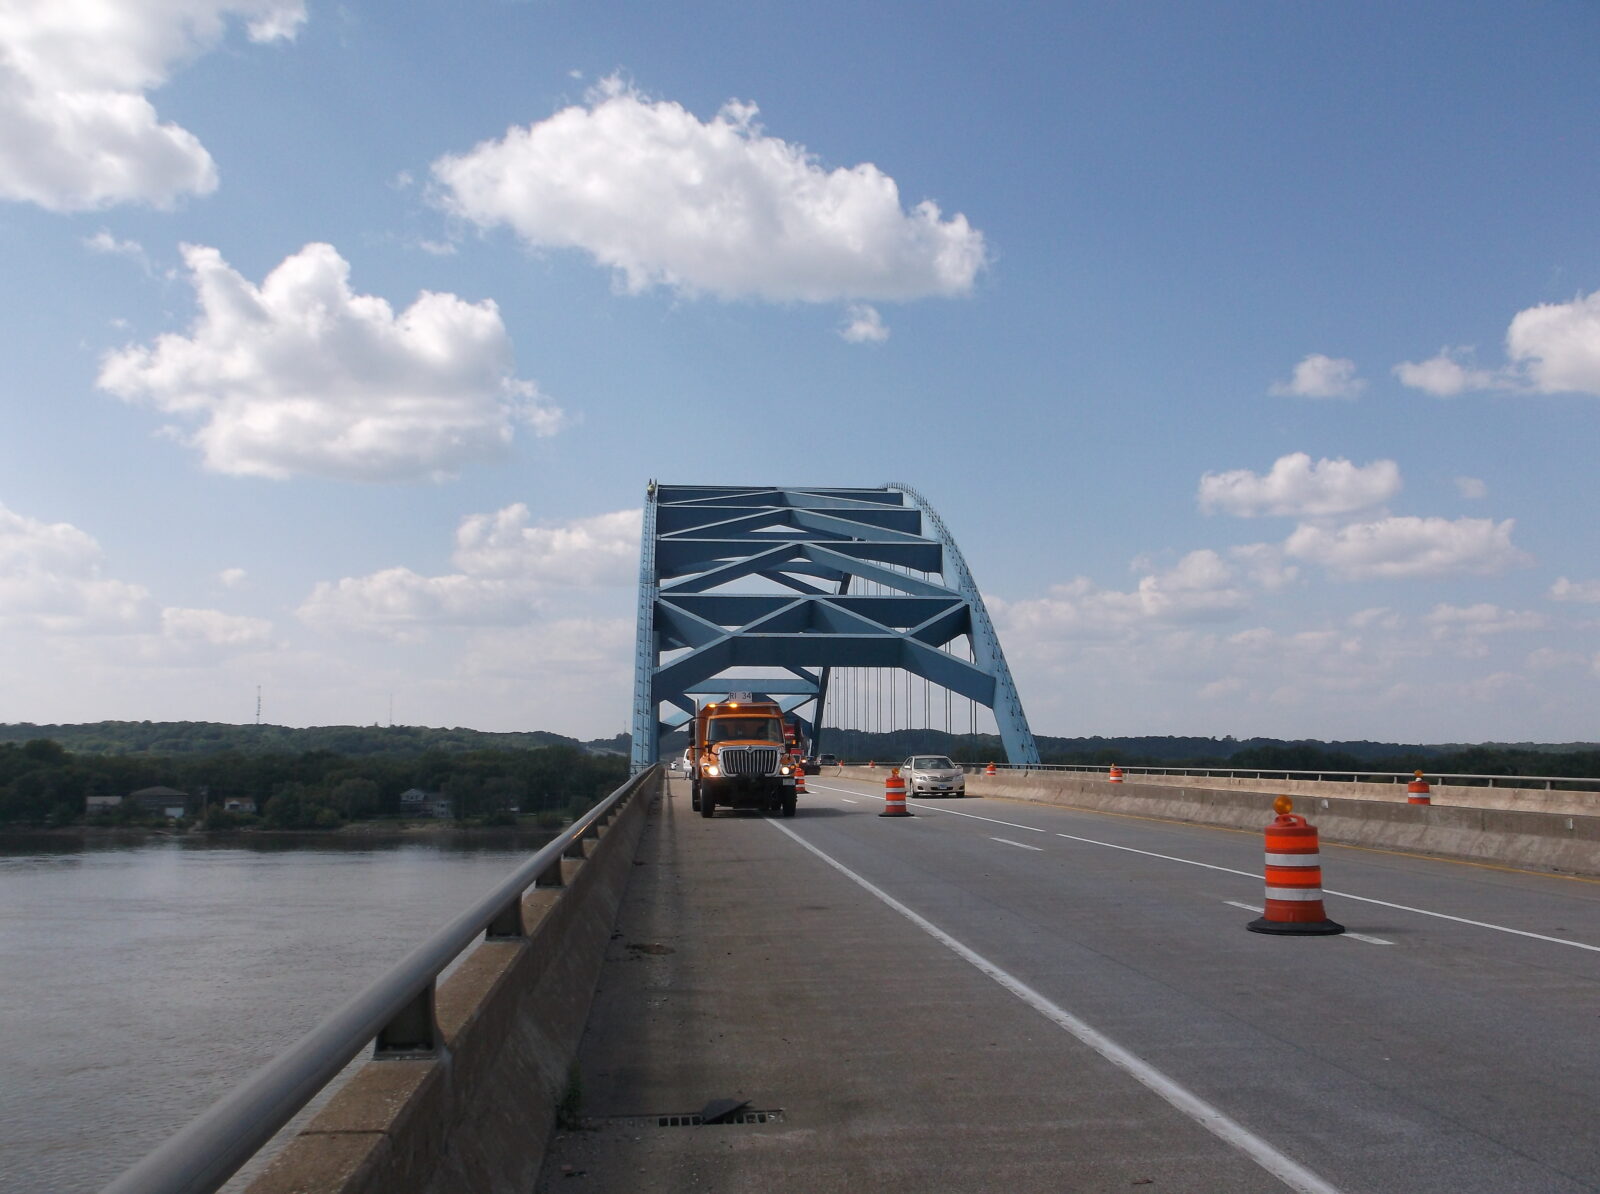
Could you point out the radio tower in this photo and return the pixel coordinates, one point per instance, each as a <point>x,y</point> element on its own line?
<point>258,704</point>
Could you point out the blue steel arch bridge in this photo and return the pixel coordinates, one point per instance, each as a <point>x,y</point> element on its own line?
<point>775,589</point>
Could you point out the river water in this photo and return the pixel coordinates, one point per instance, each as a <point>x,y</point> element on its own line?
<point>141,979</point>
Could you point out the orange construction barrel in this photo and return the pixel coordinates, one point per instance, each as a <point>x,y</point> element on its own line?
<point>1294,878</point>
<point>894,796</point>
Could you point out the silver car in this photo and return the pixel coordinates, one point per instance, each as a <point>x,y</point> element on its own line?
<point>932,775</point>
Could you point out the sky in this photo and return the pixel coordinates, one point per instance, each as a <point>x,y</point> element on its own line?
<point>1250,351</point>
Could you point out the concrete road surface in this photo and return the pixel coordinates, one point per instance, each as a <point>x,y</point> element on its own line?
<point>998,996</point>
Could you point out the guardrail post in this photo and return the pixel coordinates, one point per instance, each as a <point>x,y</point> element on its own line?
<point>414,1031</point>
<point>507,924</point>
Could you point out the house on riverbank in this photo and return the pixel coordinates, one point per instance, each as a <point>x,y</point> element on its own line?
<point>166,802</point>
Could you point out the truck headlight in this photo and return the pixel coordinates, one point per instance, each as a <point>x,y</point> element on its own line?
<point>711,770</point>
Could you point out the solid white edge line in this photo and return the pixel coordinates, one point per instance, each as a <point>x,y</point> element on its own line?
<point>1287,1170</point>
<point>1347,933</point>
<point>1018,845</point>
<point>1344,895</point>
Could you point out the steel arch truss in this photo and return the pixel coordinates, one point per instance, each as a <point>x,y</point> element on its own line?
<point>734,578</point>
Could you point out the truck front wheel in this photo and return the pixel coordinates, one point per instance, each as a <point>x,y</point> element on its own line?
<point>708,803</point>
<point>788,805</point>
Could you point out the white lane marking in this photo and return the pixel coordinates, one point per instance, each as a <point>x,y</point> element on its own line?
<point>935,808</point>
<point>847,800</point>
<point>1018,845</point>
<point>1345,895</point>
<point>1347,933</point>
<point>1283,1167</point>
<point>1481,924</point>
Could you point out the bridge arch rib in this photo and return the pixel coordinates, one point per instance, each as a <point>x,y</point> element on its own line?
<point>735,577</point>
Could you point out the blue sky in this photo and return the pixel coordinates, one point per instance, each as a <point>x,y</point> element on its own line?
<point>1251,351</point>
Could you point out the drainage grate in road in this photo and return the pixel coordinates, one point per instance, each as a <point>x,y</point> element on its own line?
<point>694,1119</point>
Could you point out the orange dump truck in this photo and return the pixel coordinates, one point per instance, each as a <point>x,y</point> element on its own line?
<point>740,758</point>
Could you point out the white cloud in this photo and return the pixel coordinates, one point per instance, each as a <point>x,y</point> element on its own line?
<point>214,627</point>
<point>232,578</point>
<point>51,579</point>
<point>1466,625</point>
<point>1447,374</point>
<point>506,565</point>
<point>715,206</point>
<point>1319,376</point>
<point>1264,564</point>
<point>600,550</point>
<point>1408,547</point>
<point>1297,487</point>
<point>1202,587</point>
<point>1471,488</point>
<point>566,647</point>
<point>864,325</point>
<point>1548,659</point>
<point>301,376</point>
<point>76,131</point>
<point>104,242</point>
<point>1557,345</point>
<point>1380,616</point>
<point>1584,591</point>
<point>399,603</point>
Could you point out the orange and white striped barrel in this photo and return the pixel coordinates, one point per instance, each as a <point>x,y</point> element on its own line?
<point>1115,774</point>
<point>1418,791</point>
<point>989,770</point>
<point>894,795</point>
<point>1294,878</point>
<point>799,780</point>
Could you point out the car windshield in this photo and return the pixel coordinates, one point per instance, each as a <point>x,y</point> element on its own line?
<point>744,729</point>
<point>931,763</point>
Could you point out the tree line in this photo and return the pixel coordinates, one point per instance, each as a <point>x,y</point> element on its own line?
<point>211,737</point>
<point>1577,760</point>
<point>43,783</point>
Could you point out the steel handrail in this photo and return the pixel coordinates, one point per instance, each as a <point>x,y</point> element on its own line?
<point>1284,772</point>
<point>1267,772</point>
<point>201,1156</point>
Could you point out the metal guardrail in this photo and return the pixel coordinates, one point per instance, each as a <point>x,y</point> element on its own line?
<point>1573,782</point>
<point>1397,777</point>
<point>395,1013</point>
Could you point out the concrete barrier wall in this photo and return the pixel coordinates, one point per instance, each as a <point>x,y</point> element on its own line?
<point>1536,840</point>
<point>478,1116</point>
<point>1534,800</point>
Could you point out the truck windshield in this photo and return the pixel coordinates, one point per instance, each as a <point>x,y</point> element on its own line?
<point>744,729</point>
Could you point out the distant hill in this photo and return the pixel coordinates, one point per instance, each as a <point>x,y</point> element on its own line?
<point>1521,758</point>
<point>209,737</point>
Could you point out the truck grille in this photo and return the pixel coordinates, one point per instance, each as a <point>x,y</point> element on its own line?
<point>748,760</point>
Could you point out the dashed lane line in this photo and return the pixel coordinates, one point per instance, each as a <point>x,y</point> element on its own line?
<point>1007,841</point>
<point>1213,1119</point>
<point>1343,895</point>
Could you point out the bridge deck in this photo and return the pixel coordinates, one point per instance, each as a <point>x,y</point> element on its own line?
<point>745,967</point>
